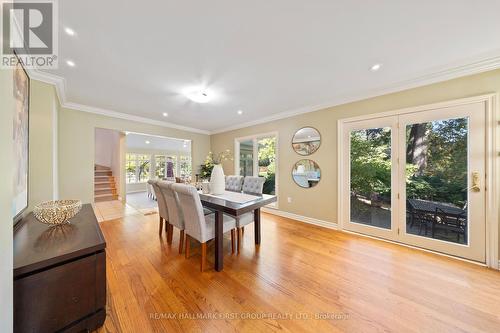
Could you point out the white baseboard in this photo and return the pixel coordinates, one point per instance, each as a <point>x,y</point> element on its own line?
<point>300,218</point>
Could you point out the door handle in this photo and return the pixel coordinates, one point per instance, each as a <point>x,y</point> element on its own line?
<point>476,182</point>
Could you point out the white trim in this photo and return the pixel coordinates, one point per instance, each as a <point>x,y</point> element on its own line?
<point>492,206</point>
<point>300,218</point>
<point>492,183</point>
<point>470,67</point>
<point>479,64</point>
<point>125,116</point>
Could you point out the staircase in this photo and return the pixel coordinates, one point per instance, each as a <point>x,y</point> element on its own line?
<point>104,184</point>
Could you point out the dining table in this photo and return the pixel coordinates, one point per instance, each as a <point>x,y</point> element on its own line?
<point>234,204</point>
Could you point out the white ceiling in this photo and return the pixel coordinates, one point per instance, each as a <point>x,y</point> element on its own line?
<point>138,141</point>
<point>263,57</point>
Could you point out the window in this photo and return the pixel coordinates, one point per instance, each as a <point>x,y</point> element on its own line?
<point>185,166</point>
<point>160,166</point>
<point>137,168</point>
<point>131,168</point>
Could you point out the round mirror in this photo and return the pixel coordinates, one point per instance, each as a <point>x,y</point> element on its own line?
<point>306,141</point>
<point>306,173</point>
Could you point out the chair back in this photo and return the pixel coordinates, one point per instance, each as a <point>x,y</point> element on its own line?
<point>253,185</point>
<point>175,216</point>
<point>234,183</point>
<point>162,206</point>
<point>194,217</point>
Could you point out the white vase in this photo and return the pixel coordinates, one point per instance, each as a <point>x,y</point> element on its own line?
<point>217,180</point>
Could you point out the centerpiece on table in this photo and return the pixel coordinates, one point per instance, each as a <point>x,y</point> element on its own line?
<point>217,178</point>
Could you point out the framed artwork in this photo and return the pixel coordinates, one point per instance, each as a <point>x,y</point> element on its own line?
<point>20,141</point>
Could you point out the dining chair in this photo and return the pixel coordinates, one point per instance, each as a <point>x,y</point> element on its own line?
<point>234,183</point>
<point>175,216</point>
<point>198,225</point>
<point>251,185</point>
<point>162,206</point>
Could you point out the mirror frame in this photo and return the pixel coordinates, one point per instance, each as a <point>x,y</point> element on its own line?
<point>320,140</point>
<point>293,167</point>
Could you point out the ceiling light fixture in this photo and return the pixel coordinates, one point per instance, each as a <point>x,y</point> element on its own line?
<point>375,67</point>
<point>165,114</point>
<point>147,142</point>
<point>69,31</point>
<point>240,112</point>
<point>70,63</point>
<point>198,95</point>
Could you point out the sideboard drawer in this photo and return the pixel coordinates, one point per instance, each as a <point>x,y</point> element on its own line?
<point>54,298</point>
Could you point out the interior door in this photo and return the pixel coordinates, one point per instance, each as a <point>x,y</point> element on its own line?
<point>370,176</point>
<point>441,183</point>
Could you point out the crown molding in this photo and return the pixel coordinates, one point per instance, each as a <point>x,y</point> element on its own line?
<point>485,62</point>
<point>60,85</point>
<point>125,116</point>
<point>470,67</point>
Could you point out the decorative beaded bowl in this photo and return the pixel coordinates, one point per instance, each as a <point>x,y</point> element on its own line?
<point>57,212</point>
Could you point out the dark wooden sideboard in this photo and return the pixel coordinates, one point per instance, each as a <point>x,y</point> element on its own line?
<point>59,275</point>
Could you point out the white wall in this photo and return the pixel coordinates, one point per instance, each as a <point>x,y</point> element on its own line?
<point>106,143</point>
<point>6,174</point>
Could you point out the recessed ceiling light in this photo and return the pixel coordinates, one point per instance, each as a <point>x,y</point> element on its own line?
<point>375,67</point>
<point>147,142</point>
<point>165,114</point>
<point>240,112</point>
<point>198,95</point>
<point>69,31</point>
<point>70,63</point>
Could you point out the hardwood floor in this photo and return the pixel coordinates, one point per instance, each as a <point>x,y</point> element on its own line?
<point>302,279</point>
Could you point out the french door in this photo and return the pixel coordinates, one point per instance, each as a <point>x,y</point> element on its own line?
<point>257,155</point>
<point>418,178</point>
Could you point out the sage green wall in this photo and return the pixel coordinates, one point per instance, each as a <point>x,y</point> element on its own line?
<point>321,201</point>
<point>6,186</point>
<point>43,150</point>
<point>76,148</point>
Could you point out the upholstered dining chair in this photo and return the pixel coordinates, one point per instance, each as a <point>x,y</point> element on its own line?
<point>175,216</point>
<point>251,185</point>
<point>198,225</point>
<point>162,206</point>
<point>234,183</point>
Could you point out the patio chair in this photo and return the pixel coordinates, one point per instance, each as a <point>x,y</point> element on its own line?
<point>450,222</point>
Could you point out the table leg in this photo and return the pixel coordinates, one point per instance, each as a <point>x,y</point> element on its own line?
<point>219,259</point>
<point>256,219</point>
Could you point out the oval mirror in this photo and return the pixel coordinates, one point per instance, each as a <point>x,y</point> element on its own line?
<point>306,173</point>
<point>306,141</point>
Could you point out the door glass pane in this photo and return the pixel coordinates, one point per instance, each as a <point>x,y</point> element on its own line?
<point>371,177</point>
<point>131,168</point>
<point>160,166</point>
<point>267,163</point>
<point>246,158</point>
<point>143,164</point>
<point>436,179</point>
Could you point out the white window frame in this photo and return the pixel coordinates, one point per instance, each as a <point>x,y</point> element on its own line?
<point>492,165</point>
<point>151,167</point>
<point>255,138</point>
